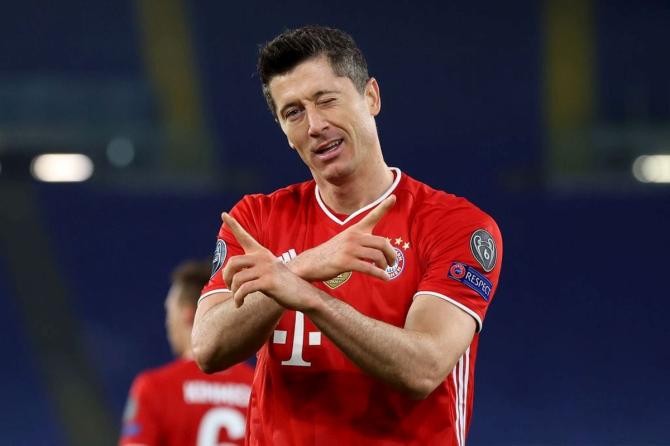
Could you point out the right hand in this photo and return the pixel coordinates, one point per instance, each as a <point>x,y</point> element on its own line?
<point>354,249</point>
<point>259,270</point>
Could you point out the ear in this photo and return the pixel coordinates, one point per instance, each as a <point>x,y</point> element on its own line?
<point>372,97</point>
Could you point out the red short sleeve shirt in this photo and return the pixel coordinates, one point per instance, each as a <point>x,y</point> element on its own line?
<point>178,405</point>
<point>307,392</point>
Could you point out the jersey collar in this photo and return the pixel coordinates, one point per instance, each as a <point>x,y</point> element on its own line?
<point>332,216</point>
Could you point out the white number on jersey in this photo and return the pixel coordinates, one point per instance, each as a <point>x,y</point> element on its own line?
<point>220,418</point>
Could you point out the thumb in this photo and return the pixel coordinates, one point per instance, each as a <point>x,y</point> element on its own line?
<point>247,242</point>
<point>370,221</point>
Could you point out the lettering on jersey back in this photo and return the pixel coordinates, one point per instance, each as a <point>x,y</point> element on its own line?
<point>205,392</point>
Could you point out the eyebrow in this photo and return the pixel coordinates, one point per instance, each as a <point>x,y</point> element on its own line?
<point>313,97</point>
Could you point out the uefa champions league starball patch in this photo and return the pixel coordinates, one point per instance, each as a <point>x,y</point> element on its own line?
<point>219,256</point>
<point>399,265</point>
<point>484,249</point>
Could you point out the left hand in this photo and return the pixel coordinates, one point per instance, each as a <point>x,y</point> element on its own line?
<point>259,270</point>
<point>354,249</point>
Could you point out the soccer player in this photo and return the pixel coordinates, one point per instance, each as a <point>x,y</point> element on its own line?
<point>363,290</point>
<point>177,404</point>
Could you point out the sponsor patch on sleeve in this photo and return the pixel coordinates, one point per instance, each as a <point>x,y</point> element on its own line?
<point>472,278</point>
<point>219,256</point>
<point>131,429</point>
<point>130,410</point>
<point>130,426</point>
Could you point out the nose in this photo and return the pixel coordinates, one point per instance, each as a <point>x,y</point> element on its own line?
<point>317,122</point>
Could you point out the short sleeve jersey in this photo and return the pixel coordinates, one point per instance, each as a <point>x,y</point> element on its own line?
<point>306,391</point>
<point>179,405</point>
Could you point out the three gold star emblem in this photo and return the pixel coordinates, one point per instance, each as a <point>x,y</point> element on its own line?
<point>399,242</point>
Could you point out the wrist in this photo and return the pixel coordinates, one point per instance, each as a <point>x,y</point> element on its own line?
<point>315,301</point>
<point>298,266</point>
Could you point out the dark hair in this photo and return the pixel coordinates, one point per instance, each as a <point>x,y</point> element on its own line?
<point>193,275</point>
<point>292,47</point>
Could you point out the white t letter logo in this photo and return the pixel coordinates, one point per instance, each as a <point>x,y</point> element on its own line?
<point>313,338</point>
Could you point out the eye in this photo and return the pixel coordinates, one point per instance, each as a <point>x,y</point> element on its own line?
<point>291,114</point>
<point>326,101</point>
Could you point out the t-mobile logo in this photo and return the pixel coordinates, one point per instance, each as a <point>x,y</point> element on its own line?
<point>279,337</point>
<point>313,338</point>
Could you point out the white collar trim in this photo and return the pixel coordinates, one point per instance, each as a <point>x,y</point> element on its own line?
<point>363,209</point>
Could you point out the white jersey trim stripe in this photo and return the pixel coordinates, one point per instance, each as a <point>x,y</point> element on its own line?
<point>330,215</point>
<point>466,387</point>
<point>458,304</point>
<point>457,398</point>
<point>209,293</point>
<point>461,378</point>
<point>461,392</point>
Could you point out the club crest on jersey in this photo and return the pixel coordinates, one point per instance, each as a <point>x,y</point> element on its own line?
<point>399,265</point>
<point>220,254</point>
<point>469,276</point>
<point>338,280</point>
<point>483,248</point>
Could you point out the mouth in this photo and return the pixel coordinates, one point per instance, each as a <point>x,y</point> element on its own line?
<point>327,150</point>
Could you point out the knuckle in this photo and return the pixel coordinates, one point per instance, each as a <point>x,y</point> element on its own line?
<point>241,291</point>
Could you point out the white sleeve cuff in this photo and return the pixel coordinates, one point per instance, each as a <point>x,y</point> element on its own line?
<point>454,302</point>
<point>209,293</point>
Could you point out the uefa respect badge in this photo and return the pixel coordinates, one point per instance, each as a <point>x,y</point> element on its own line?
<point>470,277</point>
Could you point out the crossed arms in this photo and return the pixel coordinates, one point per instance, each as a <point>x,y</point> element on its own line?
<point>231,326</point>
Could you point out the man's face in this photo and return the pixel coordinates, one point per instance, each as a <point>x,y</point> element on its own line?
<point>176,320</point>
<point>326,119</point>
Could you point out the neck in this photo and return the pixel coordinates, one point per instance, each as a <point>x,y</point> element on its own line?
<point>187,352</point>
<point>357,190</point>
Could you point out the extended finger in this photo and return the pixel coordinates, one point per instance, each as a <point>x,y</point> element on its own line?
<point>247,242</point>
<point>370,220</point>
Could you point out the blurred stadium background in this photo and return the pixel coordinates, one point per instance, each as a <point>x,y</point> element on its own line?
<point>547,114</point>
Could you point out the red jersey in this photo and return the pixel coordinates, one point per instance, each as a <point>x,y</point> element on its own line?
<point>306,391</point>
<point>179,405</point>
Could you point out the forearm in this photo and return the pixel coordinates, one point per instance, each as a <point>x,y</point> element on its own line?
<point>225,334</point>
<point>405,359</point>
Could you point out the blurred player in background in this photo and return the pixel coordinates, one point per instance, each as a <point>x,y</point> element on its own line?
<point>177,404</point>
<point>364,289</point>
